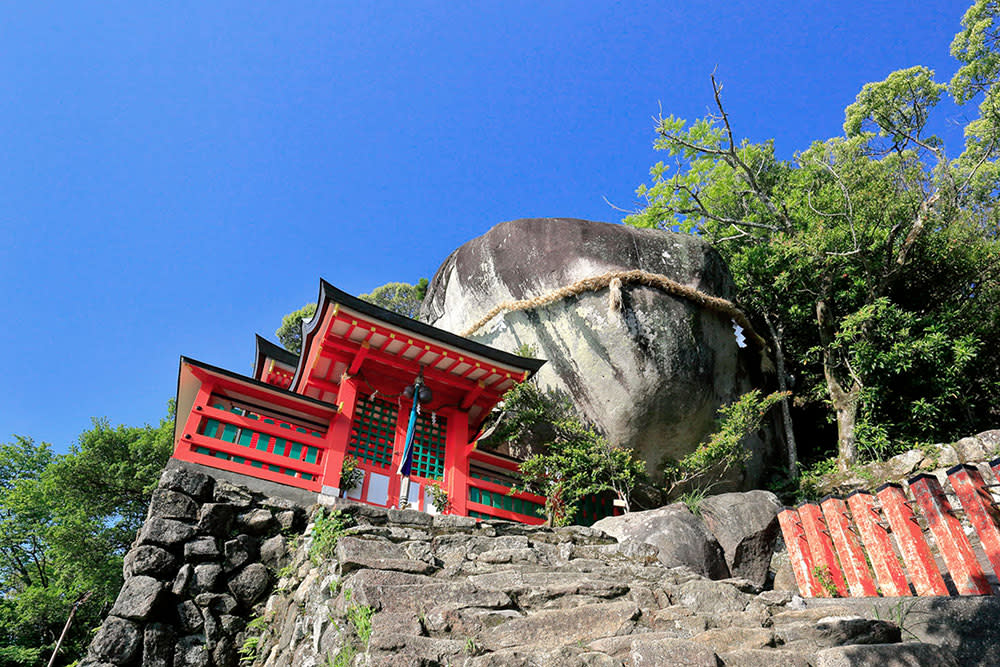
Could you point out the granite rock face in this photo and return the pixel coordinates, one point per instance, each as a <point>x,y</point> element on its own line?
<point>184,599</point>
<point>650,376</point>
<point>678,535</point>
<point>746,526</point>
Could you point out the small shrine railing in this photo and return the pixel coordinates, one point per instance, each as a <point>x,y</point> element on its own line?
<point>491,479</point>
<point>252,430</point>
<point>845,547</point>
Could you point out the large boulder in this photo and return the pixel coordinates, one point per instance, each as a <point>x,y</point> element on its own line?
<point>680,538</point>
<point>746,526</point>
<point>651,375</point>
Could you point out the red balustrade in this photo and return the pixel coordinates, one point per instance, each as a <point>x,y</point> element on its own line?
<point>848,547</point>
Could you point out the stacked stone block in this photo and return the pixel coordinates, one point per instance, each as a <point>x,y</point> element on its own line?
<point>204,557</point>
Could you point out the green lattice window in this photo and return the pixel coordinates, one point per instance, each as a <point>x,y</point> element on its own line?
<point>428,447</point>
<point>373,431</point>
<point>505,501</point>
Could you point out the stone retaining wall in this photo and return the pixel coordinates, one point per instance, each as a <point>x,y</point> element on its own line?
<point>219,573</point>
<point>203,558</point>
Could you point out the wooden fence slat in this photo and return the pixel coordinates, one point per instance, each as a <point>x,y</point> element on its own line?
<point>977,501</point>
<point>798,553</point>
<point>888,571</point>
<point>849,551</point>
<point>952,543</point>
<point>821,545</point>
<point>924,574</point>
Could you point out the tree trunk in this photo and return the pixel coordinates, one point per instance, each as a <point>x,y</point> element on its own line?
<point>844,400</point>
<point>786,415</point>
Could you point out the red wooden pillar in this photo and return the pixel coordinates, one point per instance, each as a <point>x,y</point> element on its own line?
<point>852,556</point>
<point>951,540</point>
<point>917,556</point>
<point>338,435</point>
<point>978,504</point>
<point>891,580</point>
<point>821,545</point>
<point>192,424</point>
<point>398,445</point>
<point>798,553</point>
<point>456,461</point>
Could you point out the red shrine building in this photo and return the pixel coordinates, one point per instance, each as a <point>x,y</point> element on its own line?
<point>297,418</point>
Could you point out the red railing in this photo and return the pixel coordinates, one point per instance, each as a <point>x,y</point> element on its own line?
<point>861,547</point>
<point>491,496</point>
<point>227,428</point>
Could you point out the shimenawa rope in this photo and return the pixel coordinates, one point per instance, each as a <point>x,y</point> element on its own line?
<point>614,280</point>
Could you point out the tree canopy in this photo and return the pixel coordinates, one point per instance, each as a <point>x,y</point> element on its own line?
<point>401,298</point>
<point>871,259</point>
<point>66,522</point>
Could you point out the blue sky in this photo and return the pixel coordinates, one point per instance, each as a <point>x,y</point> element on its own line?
<point>176,178</point>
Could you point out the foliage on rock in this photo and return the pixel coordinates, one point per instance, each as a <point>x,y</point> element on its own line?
<point>724,450</point>
<point>576,462</point>
<point>401,298</point>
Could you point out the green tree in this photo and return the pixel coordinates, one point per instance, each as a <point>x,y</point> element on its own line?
<point>65,524</point>
<point>574,462</point>
<point>724,450</point>
<point>290,332</point>
<point>401,298</point>
<point>853,233</point>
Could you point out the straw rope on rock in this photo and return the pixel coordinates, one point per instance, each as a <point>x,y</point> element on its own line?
<point>614,280</point>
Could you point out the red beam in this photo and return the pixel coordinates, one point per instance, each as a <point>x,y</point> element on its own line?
<point>486,457</point>
<point>917,556</point>
<point>261,426</point>
<point>249,470</point>
<point>354,321</point>
<point>977,501</point>
<point>411,366</point>
<point>821,545</point>
<point>852,556</point>
<point>276,397</point>
<point>799,553</point>
<point>267,458</point>
<point>359,358</point>
<point>951,540</point>
<point>325,385</point>
<point>471,397</point>
<point>891,580</point>
<point>504,514</point>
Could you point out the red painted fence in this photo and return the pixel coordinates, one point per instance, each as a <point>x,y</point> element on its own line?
<point>893,545</point>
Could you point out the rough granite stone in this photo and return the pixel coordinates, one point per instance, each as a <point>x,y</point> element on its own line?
<point>746,526</point>
<point>158,645</point>
<point>191,651</point>
<point>215,518</point>
<point>206,577</point>
<point>250,584</point>
<point>137,598</point>
<point>169,504</point>
<point>887,655</point>
<point>118,641</point>
<point>201,549</point>
<point>169,533</point>
<point>676,362</point>
<point>195,484</point>
<point>149,560</point>
<point>257,521</point>
<point>679,536</point>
